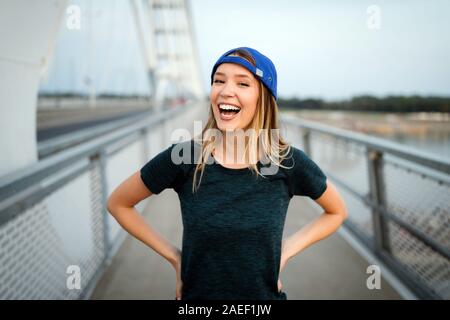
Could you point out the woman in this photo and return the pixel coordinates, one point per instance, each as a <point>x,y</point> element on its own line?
<point>233,196</point>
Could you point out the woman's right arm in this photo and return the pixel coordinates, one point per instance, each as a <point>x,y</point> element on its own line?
<point>121,206</point>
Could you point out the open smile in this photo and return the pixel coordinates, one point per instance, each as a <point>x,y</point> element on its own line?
<point>228,111</point>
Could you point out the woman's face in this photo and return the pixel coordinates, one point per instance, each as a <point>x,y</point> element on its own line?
<point>234,95</point>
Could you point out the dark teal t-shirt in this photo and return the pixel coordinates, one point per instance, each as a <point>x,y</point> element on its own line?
<point>233,225</point>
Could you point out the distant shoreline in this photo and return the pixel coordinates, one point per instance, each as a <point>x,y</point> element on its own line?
<point>418,124</point>
<point>368,103</point>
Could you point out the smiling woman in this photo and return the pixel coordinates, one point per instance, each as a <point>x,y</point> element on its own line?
<point>243,79</point>
<point>234,96</point>
<point>233,216</point>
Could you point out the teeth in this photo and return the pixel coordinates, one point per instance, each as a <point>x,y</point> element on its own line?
<point>228,107</point>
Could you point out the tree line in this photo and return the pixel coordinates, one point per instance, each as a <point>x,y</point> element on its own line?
<point>372,104</point>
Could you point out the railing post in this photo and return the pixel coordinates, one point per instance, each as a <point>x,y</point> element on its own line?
<point>146,145</point>
<point>164,132</point>
<point>306,137</point>
<point>378,197</point>
<point>102,156</point>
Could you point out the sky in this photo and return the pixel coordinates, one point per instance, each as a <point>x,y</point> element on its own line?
<point>334,49</point>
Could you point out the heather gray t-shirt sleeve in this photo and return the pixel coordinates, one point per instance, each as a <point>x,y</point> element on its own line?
<point>305,178</point>
<point>161,173</point>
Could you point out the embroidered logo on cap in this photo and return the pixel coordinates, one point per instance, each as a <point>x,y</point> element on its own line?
<point>259,72</point>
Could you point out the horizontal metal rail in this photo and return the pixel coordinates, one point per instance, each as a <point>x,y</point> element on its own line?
<point>428,160</point>
<point>57,144</point>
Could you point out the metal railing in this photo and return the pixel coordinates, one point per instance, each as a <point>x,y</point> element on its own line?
<point>64,141</point>
<point>53,214</point>
<point>398,199</point>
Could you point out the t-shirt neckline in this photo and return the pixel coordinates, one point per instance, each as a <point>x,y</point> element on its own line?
<point>231,170</point>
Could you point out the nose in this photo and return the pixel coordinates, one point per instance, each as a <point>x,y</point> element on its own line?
<point>227,90</point>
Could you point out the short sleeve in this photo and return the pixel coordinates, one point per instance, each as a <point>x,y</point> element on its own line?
<point>305,177</point>
<point>161,172</point>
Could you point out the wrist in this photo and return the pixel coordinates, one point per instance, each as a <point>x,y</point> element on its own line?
<point>286,253</point>
<point>175,258</point>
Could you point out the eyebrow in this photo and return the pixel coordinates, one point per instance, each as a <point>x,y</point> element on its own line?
<point>237,75</point>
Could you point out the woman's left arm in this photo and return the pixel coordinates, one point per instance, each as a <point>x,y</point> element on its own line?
<point>335,212</point>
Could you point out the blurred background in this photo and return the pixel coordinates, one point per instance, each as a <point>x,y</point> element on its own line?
<point>91,90</point>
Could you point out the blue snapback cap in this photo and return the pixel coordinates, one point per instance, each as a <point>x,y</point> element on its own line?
<point>264,70</point>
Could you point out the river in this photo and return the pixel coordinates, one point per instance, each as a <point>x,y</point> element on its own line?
<point>430,132</point>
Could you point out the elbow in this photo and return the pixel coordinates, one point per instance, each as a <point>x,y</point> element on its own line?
<point>110,206</point>
<point>340,216</point>
<point>344,213</point>
<point>115,207</point>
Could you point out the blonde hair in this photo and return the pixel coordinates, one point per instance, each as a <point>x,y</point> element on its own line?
<point>266,117</point>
